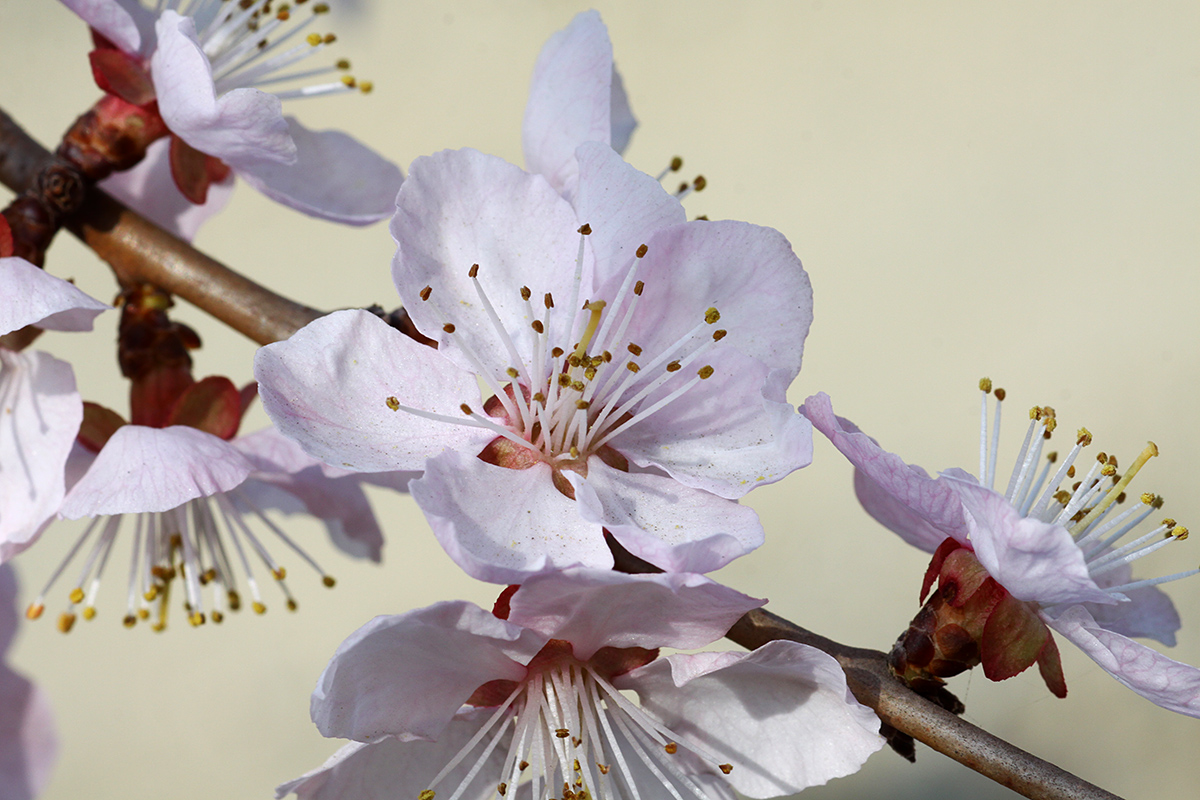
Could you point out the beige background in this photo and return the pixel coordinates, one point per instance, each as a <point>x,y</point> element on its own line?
<point>975,188</point>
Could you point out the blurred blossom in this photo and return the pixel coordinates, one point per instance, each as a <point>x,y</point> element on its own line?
<point>450,701</point>
<point>214,76</point>
<point>1043,554</point>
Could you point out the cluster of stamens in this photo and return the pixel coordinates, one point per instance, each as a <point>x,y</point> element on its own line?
<point>185,543</point>
<point>1085,505</point>
<point>253,43</point>
<point>566,404</point>
<point>572,736</point>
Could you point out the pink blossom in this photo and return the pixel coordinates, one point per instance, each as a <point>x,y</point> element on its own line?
<point>28,744</point>
<point>203,71</point>
<point>1054,548</point>
<point>451,699</point>
<point>40,409</point>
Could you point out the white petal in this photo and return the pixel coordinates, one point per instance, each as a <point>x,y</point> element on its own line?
<point>114,20</point>
<point>782,715</point>
<point>31,296</point>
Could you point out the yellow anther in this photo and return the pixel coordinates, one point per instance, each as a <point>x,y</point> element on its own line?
<point>699,183</point>
<point>985,385</point>
<point>196,618</point>
<point>705,372</point>
<point>512,372</point>
<point>342,63</point>
<point>393,403</point>
<point>235,600</point>
<point>1035,412</point>
<point>427,794</point>
<point>1148,498</point>
<point>1083,438</point>
<point>65,622</point>
<point>366,87</point>
<point>76,595</point>
<point>258,607</point>
<point>539,397</point>
<point>280,573</point>
<point>143,613</point>
<point>34,611</point>
<point>604,768</point>
<point>712,315</point>
<point>89,612</point>
<point>313,39</point>
<point>590,373</point>
<point>582,405</point>
<point>321,8</point>
<point>578,386</point>
<point>217,617</point>
<point>1179,532</point>
<point>672,748</point>
<point>1108,470</point>
<point>578,766</point>
<point>348,81</point>
<point>328,581</point>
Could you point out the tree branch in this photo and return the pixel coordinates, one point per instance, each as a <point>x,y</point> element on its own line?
<point>873,684</point>
<point>139,251</point>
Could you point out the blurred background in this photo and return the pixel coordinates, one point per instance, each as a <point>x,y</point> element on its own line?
<point>1010,190</point>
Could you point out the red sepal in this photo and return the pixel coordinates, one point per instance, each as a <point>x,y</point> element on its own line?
<point>189,169</point>
<point>501,608</point>
<point>1013,639</point>
<point>119,73</point>
<point>948,546</point>
<point>1050,665</point>
<point>6,238</point>
<point>212,405</point>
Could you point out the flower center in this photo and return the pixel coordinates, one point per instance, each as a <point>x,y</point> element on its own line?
<point>185,543</point>
<point>1087,508</point>
<point>570,734</point>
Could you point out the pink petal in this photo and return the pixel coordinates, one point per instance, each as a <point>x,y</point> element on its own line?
<point>1163,681</point>
<point>571,100</point>
<point>40,412</point>
<point>748,273</point>
<point>727,434</point>
<point>623,121</point>
<point>901,497</point>
<point>334,177</point>
<point>782,715</point>
<point>1033,560</point>
<point>155,469</point>
<point>406,675</point>
<point>328,387</point>
<point>459,208</point>
<point>115,20</point>
<point>658,519</point>
<point>624,208</point>
<point>31,296</point>
<point>592,609</point>
<point>393,768</point>
<point>149,189</point>
<point>504,525</point>
<point>1149,612</point>
<point>243,128</point>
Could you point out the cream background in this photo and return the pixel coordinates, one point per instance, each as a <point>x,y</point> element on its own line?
<point>975,188</point>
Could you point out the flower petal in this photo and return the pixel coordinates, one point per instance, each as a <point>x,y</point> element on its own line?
<point>592,609</point>
<point>149,189</point>
<point>243,128</point>
<point>623,121</point>
<point>40,413</point>
<point>34,297</point>
<point>334,177</point>
<point>459,208</point>
<point>114,20</point>
<point>504,525</point>
<point>901,497</point>
<point>727,434</point>
<point>1163,681</point>
<point>571,100</point>
<point>747,272</point>
<point>155,469</point>
<point>1149,612</point>
<point>328,387</point>
<point>394,768</point>
<point>406,675</point>
<point>658,519</point>
<point>1033,560</point>
<point>781,715</point>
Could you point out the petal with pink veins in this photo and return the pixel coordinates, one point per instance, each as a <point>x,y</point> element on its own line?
<point>155,469</point>
<point>329,386</point>
<point>662,521</point>
<point>1149,612</point>
<point>1034,560</point>
<point>781,715</point>
<point>505,525</point>
<point>592,609</point>
<point>34,297</point>
<point>901,497</point>
<point>40,412</point>
<point>149,189</point>
<point>1163,681</point>
<point>446,651</point>
<point>572,99</point>
<point>115,20</point>
<point>243,127</point>
<point>725,435</point>
<point>335,177</point>
<point>462,207</point>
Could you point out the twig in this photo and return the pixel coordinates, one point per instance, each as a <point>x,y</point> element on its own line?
<point>139,251</point>
<point>873,684</point>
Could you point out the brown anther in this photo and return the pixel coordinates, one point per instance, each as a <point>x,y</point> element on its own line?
<point>526,293</point>
<point>502,789</point>
<point>726,768</point>
<point>1071,471</point>
<point>557,352</point>
<point>1121,497</point>
<point>393,403</point>
<point>574,360</point>
<point>1112,460</point>
<point>682,187</point>
<point>1179,532</point>
<point>604,768</point>
<point>672,748</point>
<point>719,334</point>
<point>636,350</point>
<point>674,366</point>
<point>1169,522</point>
<point>512,372</point>
<point>466,409</point>
<point>1035,412</point>
<point>34,611</point>
<point>329,38</point>
<point>1000,394</point>
<point>66,621</point>
<point>577,386</point>
<point>538,326</point>
<point>539,397</point>
<point>291,604</point>
<point>1083,438</point>
<point>564,380</point>
<point>585,229</point>
<point>582,405</point>
<point>448,327</point>
<point>562,733</point>
<point>699,182</point>
<point>524,765</point>
<point>1102,457</point>
<point>985,385</point>
<point>1052,456</point>
<point>705,372</point>
<point>129,621</point>
<point>473,272</point>
<point>590,373</point>
<point>424,293</point>
<point>676,164</point>
<point>638,287</point>
<point>548,299</point>
<point>641,251</point>
<point>342,63</point>
<point>1158,501</point>
<point>607,356</point>
<point>328,581</point>
<point>632,367</point>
